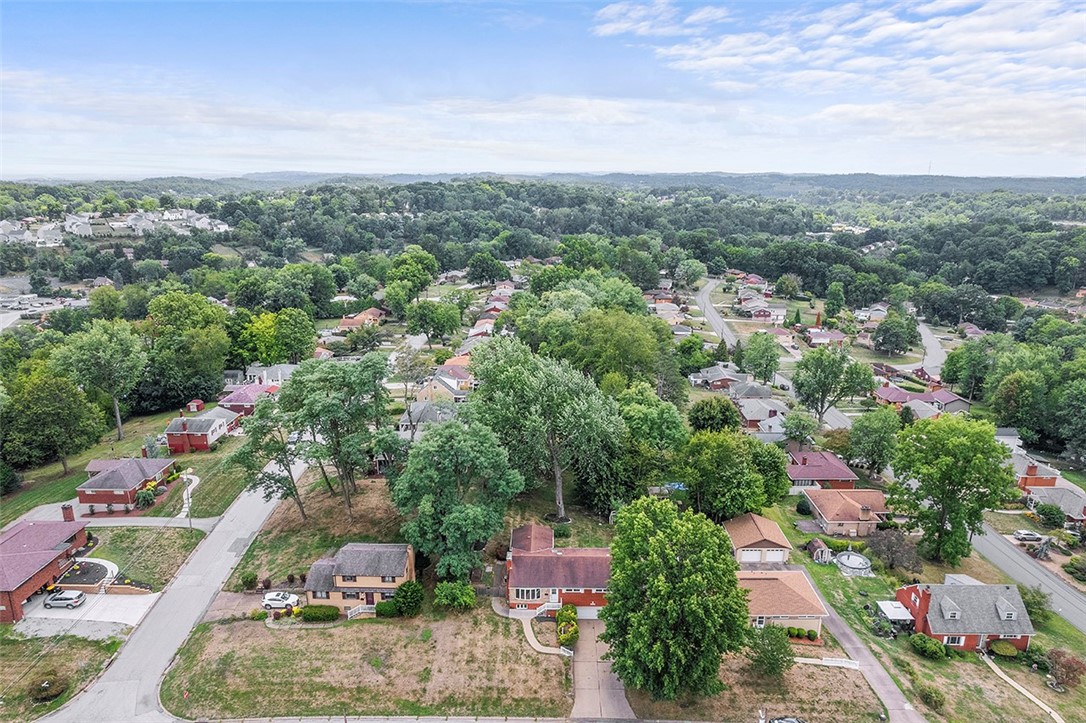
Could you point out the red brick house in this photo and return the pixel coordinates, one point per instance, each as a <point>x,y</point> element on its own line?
<point>539,575</point>
<point>820,469</point>
<point>244,399</point>
<point>199,433</point>
<point>370,317</point>
<point>1029,473</point>
<point>968,615</point>
<point>34,554</point>
<point>118,480</point>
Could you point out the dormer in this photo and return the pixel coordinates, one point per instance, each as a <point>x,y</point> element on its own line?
<point>950,609</point>
<point>1006,610</point>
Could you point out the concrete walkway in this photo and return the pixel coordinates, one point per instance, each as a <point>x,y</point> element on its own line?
<point>1040,703</point>
<point>597,692</point>
<point>830,662</point>
<point>525,617</point>
<point>51,511</point>
<point>191,481</point>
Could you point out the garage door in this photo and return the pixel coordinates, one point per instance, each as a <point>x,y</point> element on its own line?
<point>750,556</point>
<point>776,555</point>
<point>588,612</point>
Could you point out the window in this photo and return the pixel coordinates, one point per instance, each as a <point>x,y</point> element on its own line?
<point>915,599</point>
<point>954,640</point>
<point>118,492</point>
<point>1010,637</point>
<point>952,615</point>
<point>350,578</point>
<point>521,606</point>
<point>526,593</point>
<point>573,589</point>
<point>387,595</point>
<point>1009,615</point>
<point>350,596</point>
<point>388,578</point>
<point>759,622</point>
<point>600,590</point>
<point>320,595</point>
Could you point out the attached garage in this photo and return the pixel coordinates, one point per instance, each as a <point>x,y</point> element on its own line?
<point>776,555</point>
<point>588,612</point>
<point>750,556</point>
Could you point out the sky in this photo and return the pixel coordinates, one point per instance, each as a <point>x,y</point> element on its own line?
<point>137,89</point>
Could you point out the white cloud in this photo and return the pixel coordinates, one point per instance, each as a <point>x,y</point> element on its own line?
<point>659,18</point>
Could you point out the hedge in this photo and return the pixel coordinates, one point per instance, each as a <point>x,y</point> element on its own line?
<point>568,633</point>
<point>320,613</point>
<point>839,545</point>
<point>1004,649</point>
<point>927,646</point>
<point>566,614</point>
<point>386,609</point>
<point>932,696</point>
<point>455,595</point>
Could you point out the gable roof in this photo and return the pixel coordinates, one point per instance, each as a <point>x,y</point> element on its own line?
<point>427,412</point>
<point>758,409</point>
<point>28,546</point>
<point>1071,500</point>
<point>566,567</point>
<point>532,538</point>
<point>754,531</point>
<point>123,474</point>
<point>818,466</point>
<point>369,559</point>
<point>780,593</point>
<point>981,609</point>
<point>246,394</point>
<point>845,505</point>
<point>201,423</point>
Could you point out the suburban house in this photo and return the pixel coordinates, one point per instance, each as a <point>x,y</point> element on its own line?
<point>1070,499</point>
<point>117,481</point>
<point>1030,473</point>
<point>941,399</point>
<point>820,469</point>
<point>825,337</point>
<point>755,411</point>
<point>968,615</point>
<point>276,374</point>
<point>922,410</point>
<point>851,513</point>
<point>875,312</point>
<point>370,317</point>
<point>420,414</point>
<point>450,382</point>
<point>34,554</point>
<point>756,539</point>
<point>243,399</point>
<point>769,314</point>
<point>972,331</point>
<point>1009,438</point>
<point>717,377</point>
<point>540,576</point>
<point>199,433</point>
<point>749,390</point>
<point>782,597</point>
<point>360,575</point>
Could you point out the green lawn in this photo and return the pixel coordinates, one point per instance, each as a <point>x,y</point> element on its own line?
<point>43,493</point>
<point>220,483</point>
<point>586,529</point>
<point>1077,477</point>
<point>147,554</point>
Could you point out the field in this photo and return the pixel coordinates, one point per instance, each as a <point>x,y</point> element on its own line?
<point>287,544</point>
<point>813,693</point>
<point>474,664</point>
<point>972,691</point>
<point>76,659</point>
<point>147,554</point>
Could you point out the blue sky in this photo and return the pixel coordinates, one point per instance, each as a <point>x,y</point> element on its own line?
<point>971,87</point>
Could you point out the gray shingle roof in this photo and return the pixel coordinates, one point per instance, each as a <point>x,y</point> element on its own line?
<point>124,474</point>
<point>319,578</point>
<point>201,423</point>
<point>982,609</point>
<point>367,559</point>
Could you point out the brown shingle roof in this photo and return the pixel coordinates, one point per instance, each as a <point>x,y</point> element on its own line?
<point>754,531</point>
<point>844,505</point>
<point>584,567</point>
<point>780,593</point>
<point>532,538</point>
<point>818,466</point>
<point>27,547</point>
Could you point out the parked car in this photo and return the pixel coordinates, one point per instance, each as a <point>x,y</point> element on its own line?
<point>279,600</point>
<point>783,387</point>
<point>1027,536</point>
<point>66,599</point>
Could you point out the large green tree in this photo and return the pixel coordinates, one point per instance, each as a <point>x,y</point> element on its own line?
<point>48,418</point>
<point>826,376</point>
<point>454,492</point>
<point>874,438</point>
<point>674,605</point>
<point>432,318</point>
<point>266,455</point>
<point>763,357</point>
<point>721,476</point>
<point>1071,418</point>
<point>485,269</point>
<point>949,471</point>
<point>109,356</point>
<point>714,414</point>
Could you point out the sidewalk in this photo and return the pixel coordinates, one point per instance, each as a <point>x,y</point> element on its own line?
<point>1040,703</point>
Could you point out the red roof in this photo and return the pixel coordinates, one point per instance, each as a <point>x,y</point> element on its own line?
<point>29,546</point>
<point>818,466</point>
<point>566,567</point>
<point>532,538</point>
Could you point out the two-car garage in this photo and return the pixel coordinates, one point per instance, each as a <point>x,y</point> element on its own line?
<point>763,555</point>
<point>757,540</point>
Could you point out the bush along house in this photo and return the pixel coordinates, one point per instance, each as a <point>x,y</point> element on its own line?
<point>116,481</point>
<point>968,615</point>
<point>540,576</point>
<point>360,575</point>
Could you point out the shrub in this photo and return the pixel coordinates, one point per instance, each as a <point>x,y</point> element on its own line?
<point>386,609</point>
<point>92,510</point>
<point>248,580</point>
<point>159,491</point>
<point>320,613</point>
<point>1051,515</point>
<point>258,614</point>
<point>408,598</point>
<point>9,479</point>
<point>793,632</point>
<point>1066,668</point>
<point>567,614</point>
<point>441,356</point>
<point>1004,649</point>
<point>803,507</point>
<point>145,499</point>
<point>1076,568</point>
<point>932,696</point>
<point>290,579</point>
<point>109,507</point>
<point>562,532</point>
<point>812,635</point>
<point>288,611</point>
<point>838,545</point>
<point>276,615</point>
<point>456,595</point>
<point>1038,604</point>
<point>127,509</point>
<point>266,583</point>
<point>568,633</point>
<point>1036,654</point>
<point>768,650</point>
<point>46,686</point>
<point>927,646</point>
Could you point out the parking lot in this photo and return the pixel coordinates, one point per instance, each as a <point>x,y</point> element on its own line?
<point>126,609</point>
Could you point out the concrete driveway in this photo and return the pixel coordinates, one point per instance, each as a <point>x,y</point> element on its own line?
<point>597,693</point>
<point>126,609</point>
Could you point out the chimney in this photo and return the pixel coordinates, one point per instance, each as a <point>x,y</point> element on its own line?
<point>67,513</point>
<point>886,384</point>
<point>143,451</point>
<point>1031,470</point>
<point>803,460</point>
<point>772,412</point>
<point>865,513</point>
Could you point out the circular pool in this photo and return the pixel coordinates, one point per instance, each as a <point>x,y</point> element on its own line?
<point>853,564</point>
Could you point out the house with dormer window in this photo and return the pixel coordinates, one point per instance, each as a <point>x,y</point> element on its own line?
<point>967,614</point>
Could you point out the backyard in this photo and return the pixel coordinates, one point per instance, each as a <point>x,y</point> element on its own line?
<point>471,664</point>
<point>147,554</point>
<point>75,659</point>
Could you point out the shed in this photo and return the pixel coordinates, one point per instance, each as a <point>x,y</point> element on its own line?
<point>820,551</point>
<point>196,405</point>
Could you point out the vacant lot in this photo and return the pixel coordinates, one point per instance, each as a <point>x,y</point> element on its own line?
<point>813,693</point>
<point>147,554</point>
<point>76,659</point>
<point>471,664</point>
<point>288,544</point>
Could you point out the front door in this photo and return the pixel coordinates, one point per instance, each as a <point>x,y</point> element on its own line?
<point>554,594</point>
<point>369,598</point>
